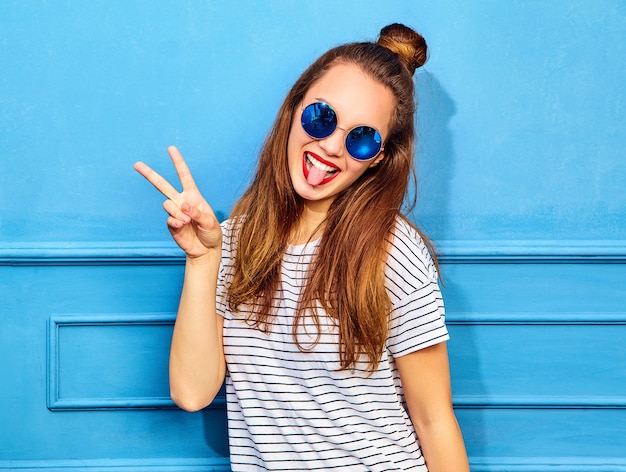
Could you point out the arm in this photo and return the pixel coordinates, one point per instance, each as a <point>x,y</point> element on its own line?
<point>425,376</point>
<point>197,365</point>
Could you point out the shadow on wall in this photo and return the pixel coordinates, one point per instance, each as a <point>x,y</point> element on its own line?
<point>466,368</point>
<point>216,428</point>
<point>435,166</point>
<point>435,156</point>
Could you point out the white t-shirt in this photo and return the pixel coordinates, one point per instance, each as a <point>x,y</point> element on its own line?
<point>295,410</point>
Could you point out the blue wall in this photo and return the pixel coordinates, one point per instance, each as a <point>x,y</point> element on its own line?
<point>522,126</point>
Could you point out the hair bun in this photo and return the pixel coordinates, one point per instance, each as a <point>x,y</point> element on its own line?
<point>408,44</point>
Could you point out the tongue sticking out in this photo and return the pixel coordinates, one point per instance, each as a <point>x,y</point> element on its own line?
<point>315,176</point>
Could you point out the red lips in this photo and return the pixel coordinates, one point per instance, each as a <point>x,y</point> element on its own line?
<point>314,175</point>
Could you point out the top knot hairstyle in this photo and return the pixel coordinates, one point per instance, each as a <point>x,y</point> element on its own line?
<point>347,276</point>
<point>408,44</point>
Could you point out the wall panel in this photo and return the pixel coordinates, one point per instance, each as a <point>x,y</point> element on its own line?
<point>521,175</point>
<point>99,361</point>
<point>537,356</point>
<point>534,390</point>
<point>84,368</point>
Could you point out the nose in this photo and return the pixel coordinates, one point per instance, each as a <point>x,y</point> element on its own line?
<point>334,144</point>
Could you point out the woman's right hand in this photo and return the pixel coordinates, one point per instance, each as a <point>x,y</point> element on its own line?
<point>191,220</point>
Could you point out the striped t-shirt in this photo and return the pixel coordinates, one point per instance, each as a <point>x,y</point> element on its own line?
<point>295,410</point>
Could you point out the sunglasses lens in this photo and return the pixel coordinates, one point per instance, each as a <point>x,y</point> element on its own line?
<point>319,120</point>
<point>363,143</point>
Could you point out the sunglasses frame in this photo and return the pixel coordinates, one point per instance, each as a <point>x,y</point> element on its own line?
<point>382,146</point>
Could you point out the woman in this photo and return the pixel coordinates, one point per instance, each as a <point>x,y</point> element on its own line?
<point>317,297</point>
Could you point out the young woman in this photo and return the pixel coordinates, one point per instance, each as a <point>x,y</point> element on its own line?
<point>318,300</point>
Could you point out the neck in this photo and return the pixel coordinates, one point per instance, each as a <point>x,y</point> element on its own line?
<point>311,223</point>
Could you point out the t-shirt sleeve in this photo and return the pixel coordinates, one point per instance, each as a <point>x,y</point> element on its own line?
<point>417,321</point>
<point>417,317</point>
<point>225,270</point>
<point>221,292</point>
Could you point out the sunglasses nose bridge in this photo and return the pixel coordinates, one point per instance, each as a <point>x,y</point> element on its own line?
<point>335,143</point>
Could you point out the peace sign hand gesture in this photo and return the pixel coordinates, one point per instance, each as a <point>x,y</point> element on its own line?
<point>191,220</point>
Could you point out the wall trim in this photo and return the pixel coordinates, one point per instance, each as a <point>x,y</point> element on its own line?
<point>214,464</point>
<point>85,253</point>
<point>451,252</point>
<point>535,318</point>
<point>222,464</point>
<point>537,401</point>
<point>548,464</point>
<point>57,403</point>
<point>531,251</point>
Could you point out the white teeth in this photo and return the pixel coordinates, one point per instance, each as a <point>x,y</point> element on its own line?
<point>319,165</point>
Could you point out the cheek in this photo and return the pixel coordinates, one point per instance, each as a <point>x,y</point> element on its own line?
<point>297,135</point>
<point>292,148</point>
<point>294,139</point>
<point>297,140</point>
<point>356,168</point>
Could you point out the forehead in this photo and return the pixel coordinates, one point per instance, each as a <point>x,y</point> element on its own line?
<point>357,97</point>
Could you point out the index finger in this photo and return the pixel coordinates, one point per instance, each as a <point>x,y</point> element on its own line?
<point>184,174</point>
<point>156,180</point>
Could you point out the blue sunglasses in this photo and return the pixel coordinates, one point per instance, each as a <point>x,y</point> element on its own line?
<point>363,143</point>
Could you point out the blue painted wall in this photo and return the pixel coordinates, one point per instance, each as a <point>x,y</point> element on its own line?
<point>522,125</point>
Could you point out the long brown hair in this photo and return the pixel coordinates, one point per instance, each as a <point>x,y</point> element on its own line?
<point>347,274</point>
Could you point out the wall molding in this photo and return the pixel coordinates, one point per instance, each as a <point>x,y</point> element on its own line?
<point>531,251</point>
<point>548,464</point>
<point>214,464</point>
<point>222,464</point>
<point>451,252</point>
<point>83,253</point>
<point>537,401</point>
<point>536,318</point>
<point>57,402</point>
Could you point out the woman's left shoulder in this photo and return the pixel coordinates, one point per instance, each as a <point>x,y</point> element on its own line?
<point>408,254</point>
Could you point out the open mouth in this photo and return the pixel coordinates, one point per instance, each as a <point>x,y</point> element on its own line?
<point>317,171</point>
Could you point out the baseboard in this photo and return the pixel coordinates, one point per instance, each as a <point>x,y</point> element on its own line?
<point>548,464</point>
<point>220,464</point>
<point>477,464</point>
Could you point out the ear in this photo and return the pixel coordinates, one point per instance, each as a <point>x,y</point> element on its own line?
<point>376,161</point>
